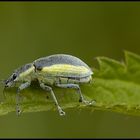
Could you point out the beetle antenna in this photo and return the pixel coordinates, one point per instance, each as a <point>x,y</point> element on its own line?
<point>2,81</point>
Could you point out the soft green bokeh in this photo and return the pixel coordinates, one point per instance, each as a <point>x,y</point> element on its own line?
<point>29,30</point>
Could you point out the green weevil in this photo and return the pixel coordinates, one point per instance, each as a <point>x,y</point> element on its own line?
<point>60,70</point>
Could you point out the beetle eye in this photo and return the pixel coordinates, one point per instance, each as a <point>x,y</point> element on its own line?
<point>14,76</point>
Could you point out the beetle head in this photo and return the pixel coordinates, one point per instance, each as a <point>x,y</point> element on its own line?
<point>22,74</point>
<point>11,80</point>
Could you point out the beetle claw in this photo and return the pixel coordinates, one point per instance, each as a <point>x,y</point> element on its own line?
<point>61,112</point>
<point>89,102</point>
<point>18,111</point>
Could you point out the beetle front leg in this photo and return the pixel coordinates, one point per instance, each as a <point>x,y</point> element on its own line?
<point>21,87</point>
<point>75,86</point>
<point>47,88</point>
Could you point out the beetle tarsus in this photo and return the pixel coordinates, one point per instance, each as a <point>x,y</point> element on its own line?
<point>17,103</point>
<point>88,102</point>
<point>61,112</point>
<point>18,110</point>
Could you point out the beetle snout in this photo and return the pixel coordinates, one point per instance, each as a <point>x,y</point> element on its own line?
<point>8,83</point>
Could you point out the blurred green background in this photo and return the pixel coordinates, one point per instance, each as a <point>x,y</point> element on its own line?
<point>29,30</point>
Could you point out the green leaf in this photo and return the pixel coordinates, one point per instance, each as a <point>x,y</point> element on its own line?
<point>115,87</point>
<point>133,66</point>
<point>110,69</point>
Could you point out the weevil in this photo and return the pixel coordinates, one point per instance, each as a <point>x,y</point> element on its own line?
<point>60,70</point>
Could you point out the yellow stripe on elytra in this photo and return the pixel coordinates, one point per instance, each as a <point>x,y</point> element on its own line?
<point>65,68</point>
<point>25,73</point>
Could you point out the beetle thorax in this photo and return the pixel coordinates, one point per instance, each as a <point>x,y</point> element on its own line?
<point>27,75</point>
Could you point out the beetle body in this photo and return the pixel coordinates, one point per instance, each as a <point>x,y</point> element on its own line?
<point>61,70</point>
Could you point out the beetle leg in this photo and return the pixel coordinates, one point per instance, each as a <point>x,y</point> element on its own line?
<point>21,87</point>
<point>75,86</point>
<point>47,88</point>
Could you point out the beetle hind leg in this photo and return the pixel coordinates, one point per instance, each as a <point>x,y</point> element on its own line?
<point>76,86</point>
